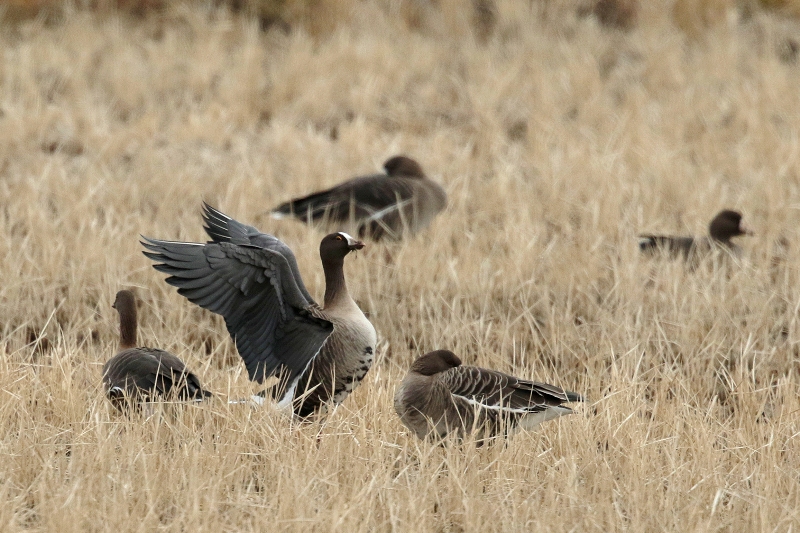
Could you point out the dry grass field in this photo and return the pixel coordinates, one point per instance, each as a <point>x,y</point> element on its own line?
<point>557,140</point>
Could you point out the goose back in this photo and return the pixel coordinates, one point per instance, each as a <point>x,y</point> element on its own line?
<point>143,374</point>
<point>376,206</point>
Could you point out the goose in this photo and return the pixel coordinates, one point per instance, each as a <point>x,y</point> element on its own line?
<point>319,354</point>
<point>723,227</point>
<point>440,396</point>
<point>138,374</point>
<point>376,206</point>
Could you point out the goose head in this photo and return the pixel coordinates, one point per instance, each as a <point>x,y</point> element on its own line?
<point>401,165</point>
<point>124,302</point>
<point>336,246</point>
<point>728,224</point>
<point>435,362</point>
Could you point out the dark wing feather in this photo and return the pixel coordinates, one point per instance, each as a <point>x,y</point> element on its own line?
<point>377,193</point>
<point>363,199</point>
<point>496,390</point>
<point>379,205</point>
<point>143,373</point>
<point>258,293</point>
<point>222,228</point>
<point>408,205</point>
<point>674,245</point>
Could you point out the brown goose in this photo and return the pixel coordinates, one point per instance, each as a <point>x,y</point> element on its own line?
<point>252,280</point>
<point>139,374</point>
<point>376,206</point>
<point>439,396</point>
<point>723,227</point>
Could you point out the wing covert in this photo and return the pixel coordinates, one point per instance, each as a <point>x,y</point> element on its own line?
<point>222,228</point>
<point>496,390</point>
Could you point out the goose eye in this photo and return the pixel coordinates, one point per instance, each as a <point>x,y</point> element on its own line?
<point>339,238</point>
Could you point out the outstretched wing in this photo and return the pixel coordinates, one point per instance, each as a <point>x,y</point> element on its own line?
<point>257,290</point>
<point>222,228</point>
<point>493,390</point>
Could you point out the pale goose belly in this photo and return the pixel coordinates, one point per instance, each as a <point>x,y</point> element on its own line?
<point>352,346</point>
<point>342,363</point>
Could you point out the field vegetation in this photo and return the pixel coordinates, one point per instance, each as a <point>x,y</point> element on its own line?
<point>558,135</point>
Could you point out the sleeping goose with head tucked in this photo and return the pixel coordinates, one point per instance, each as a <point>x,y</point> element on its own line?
<point>440,396</point>
<point>320,354</point>
<point>403,200</point>
<point>137,374</point>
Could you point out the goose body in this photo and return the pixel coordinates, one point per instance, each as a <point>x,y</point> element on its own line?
<point>440,396</point>
<point>320,354</point>
<point>723,227</point>
<point>139,374</point>
<point>377,206</point>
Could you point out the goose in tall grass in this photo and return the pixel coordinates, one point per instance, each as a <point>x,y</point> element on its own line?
<point>320,354</point>
<point>440,396</point>
<point>723,227</point>
<point>377,206</point>
<point>138,374</point>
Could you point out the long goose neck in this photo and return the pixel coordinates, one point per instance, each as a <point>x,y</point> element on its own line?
<point>127,325</point>
<point>335,286</point>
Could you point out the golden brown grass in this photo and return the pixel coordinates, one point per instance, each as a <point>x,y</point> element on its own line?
<point>557,141</point>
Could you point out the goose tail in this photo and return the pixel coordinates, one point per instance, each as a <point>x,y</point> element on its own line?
<point>311,207</point>
<point>574,397</point>
<point>647,242</point>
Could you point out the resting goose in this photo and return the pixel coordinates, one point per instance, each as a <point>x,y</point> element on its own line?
<point>439,396</point>
<point>723,227</point>
<point>252,280</point>
<point>376,206</point>
<point>140,374</point>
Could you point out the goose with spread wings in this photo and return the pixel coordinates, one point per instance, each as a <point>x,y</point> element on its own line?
<point>376,206</point>
<point>440,396</point>
<point>137,374</point>
<point>320,354</point>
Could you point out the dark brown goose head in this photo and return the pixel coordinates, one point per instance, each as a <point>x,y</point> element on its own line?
<point>435,362</point>
<point>406,167</point>
<point>125,304</point>
<point>332,250</point>
<point>727,224</point>
<point>335,246</point>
